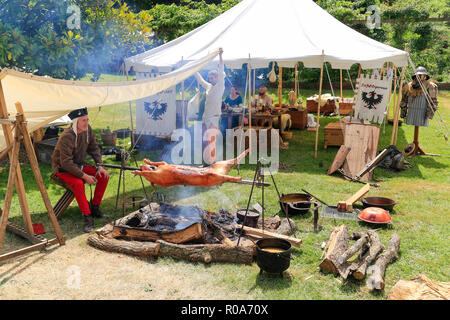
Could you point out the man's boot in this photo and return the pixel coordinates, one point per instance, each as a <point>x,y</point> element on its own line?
<point>88,223</point>
<point>95,211</point>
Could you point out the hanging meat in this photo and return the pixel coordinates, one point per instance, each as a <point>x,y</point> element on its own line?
<point>167,175</point>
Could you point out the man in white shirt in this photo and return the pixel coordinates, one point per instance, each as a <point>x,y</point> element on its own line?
<point>213,104</point>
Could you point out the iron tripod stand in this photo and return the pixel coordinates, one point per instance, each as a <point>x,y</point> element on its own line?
<point>259,180</point>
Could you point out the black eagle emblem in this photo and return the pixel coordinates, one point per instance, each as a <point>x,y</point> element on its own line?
<point>370,99</point>
<point>155,109</point>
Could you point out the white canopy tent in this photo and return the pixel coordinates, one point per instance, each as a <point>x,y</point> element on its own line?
<point>46,99</point>
<point>285,31</point>
<point>258,32</point>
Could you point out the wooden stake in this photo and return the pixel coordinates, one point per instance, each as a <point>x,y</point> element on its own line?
<point>7,132</point>
<point>397,109</point>
<point>10,188</point>
<point>318,110</point>
<point>37,173</point>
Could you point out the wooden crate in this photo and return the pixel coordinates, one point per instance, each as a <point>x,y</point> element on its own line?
<point>345,108</point>
<point>299,118</point>
<point>328,108</point>
<point>333,135</point>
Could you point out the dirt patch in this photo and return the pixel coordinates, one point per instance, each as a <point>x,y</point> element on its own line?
<point>78,271</point>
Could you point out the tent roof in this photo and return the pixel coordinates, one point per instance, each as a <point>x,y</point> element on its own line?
<point>285,31</point>
<point>45,99</point>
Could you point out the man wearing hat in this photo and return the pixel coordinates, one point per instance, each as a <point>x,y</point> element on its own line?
<point>68,165</point>
<point>415,107</point>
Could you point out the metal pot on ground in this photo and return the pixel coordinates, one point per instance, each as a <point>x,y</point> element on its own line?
<point>273,255</point>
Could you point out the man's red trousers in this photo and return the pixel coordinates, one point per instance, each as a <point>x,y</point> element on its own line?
<point>77,185</point>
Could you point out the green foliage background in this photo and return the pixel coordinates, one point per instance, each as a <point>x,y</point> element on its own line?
<point>34,36</point>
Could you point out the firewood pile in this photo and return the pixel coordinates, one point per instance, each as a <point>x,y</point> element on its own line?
<point>339,257</point>
<point>187,233</point>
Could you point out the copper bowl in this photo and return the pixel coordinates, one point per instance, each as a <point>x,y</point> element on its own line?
<point>375,215</point>
<point>380,202</point>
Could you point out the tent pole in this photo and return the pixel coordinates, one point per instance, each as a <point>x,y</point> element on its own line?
<point>280,87</point>
<point>397,109</point>
<point>340,74</point>
<point>318,109</point>
<point>131,113</point>
<point>296,82</point>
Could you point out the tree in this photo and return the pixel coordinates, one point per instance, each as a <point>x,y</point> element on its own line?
<point>35,36</point>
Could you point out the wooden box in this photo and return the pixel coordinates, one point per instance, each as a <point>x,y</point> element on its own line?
<point>299,118</point>
<point>328,108</point>
<point>333,134</point>
<point>346,106</point>
<point>44,149</point>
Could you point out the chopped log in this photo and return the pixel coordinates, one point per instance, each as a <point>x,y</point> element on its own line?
<point>420,288</point>
<point>339,159</point>
<point>358,195</point>
<point>207,253</point>
<point>135,248</point>
<point>266,234</point>
<point>376,280</point>
<point>336,246</point>
<point>375,248</point>
<point>353,249</point>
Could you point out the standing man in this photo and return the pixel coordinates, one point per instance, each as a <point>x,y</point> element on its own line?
<point>68,165</point>
<point>213,105</point>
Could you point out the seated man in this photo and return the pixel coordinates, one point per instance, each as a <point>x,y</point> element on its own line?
<point>264,103</point>
<point>67,163</point>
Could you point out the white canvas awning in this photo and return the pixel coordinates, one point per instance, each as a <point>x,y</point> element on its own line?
<point>46,99</point>
<point>285,31</point>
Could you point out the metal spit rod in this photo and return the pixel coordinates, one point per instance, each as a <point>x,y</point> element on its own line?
<point>247,182</point>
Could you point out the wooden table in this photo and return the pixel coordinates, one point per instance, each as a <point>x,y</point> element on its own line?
<point>229,116</point>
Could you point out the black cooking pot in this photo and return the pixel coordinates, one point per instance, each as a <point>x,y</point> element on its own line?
<point>273,255</point>
<point>380,202</point>
<point>295,203</point>
<point>252,217</point>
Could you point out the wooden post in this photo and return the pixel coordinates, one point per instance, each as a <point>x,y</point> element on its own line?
<point>340,74</point>
<point>318,109</point>
<point>280,88</point>
<point>7,132</point>
<point>397,109</point>
<point>394,93</point>
<point>14,158</point>
<point>37,173</point>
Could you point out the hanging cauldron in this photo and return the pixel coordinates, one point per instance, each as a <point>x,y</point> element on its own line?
<point>295,203</point>
<point>273,255</point>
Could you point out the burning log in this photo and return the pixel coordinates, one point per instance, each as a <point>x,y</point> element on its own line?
<point>208,253</point>
<point>257,233</point>
<point>135,248</point>
<point>376,280</point>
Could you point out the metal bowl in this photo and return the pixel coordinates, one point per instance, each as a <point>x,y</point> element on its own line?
<point>375,215</point>
<point>380,202</point>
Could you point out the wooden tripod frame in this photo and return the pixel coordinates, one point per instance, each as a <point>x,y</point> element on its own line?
<point>15,179</point>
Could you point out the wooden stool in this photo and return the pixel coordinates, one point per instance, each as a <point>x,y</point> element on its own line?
<point>66,199</point>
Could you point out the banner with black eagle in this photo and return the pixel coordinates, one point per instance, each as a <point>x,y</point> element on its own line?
<point>156,115</point>
<point>372,96</point>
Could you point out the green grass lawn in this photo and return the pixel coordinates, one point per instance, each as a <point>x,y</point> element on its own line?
<point>420,218</point>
